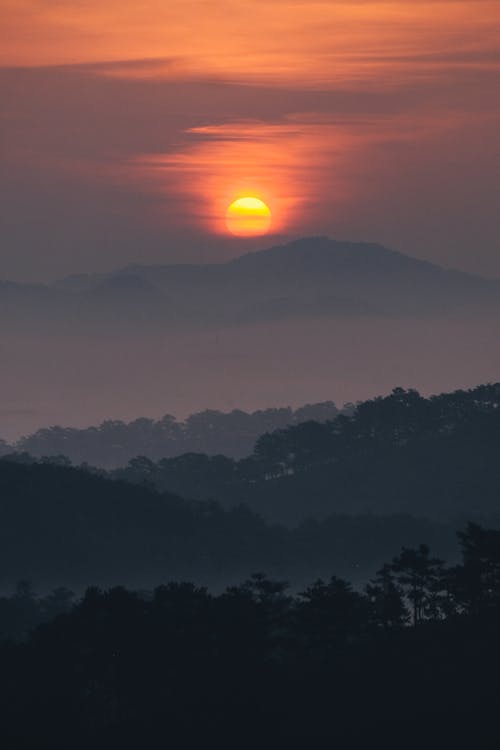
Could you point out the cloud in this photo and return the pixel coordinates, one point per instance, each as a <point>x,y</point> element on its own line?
<point>321,43</point>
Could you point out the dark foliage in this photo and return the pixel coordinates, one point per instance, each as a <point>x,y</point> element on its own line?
<point>114,443</point>
<point>404,453</point>
<point>181,667</point>
<point>65,525</point>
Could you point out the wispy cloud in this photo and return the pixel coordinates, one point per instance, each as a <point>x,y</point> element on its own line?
<point>323,43</point>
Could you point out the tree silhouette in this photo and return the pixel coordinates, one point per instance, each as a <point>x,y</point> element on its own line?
<point>386,599</point>
<point>259,664</point>
<point>330,612</point>
<point>475,585</point>
<point>420,577</point>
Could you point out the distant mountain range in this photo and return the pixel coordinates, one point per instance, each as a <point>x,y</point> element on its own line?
<point>310,277</point>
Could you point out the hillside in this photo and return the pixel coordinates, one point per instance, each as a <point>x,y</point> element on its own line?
<point>349,489</point>
<point>403,453</point>
<point>66,526</point>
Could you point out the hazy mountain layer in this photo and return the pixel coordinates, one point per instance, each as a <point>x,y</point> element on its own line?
<point>314,319</point>
<point>309,277</point>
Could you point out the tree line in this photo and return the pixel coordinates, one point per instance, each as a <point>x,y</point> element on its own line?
<point>414,587</point>
<point>391,663</point>
<point>402,453</point>
<point>114,442</point>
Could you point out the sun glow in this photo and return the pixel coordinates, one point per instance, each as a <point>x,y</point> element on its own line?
<point>248,217</point>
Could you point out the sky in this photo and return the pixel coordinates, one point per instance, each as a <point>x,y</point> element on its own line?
<point>126,129</point>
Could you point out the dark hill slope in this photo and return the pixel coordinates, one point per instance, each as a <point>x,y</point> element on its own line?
<point>61,524</point>
<point>66,526</point>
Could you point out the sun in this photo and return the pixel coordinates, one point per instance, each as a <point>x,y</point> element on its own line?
<point>248,217</point>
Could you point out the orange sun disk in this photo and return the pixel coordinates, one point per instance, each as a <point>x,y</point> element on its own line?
<point>248,217</point>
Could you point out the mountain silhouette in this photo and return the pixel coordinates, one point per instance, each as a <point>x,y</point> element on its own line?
<point>310,277</point>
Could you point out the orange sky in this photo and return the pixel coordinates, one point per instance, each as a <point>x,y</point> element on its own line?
<point>352,118</point>
<point>284,40</point>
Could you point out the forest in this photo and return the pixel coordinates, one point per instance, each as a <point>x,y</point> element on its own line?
<point>311,498</point>
<point>133,613</point>
<point>416,647</point>
<point>402,453</point>
<point>67,526</point>
<point>114,442</point>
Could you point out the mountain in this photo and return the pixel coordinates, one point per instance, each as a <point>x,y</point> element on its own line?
<point>310,277</point>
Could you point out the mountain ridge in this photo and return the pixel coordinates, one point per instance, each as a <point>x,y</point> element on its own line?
<point>310,277</point>
<point>316,245</point>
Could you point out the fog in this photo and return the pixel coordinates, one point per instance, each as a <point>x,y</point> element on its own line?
<point>80,380</point>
